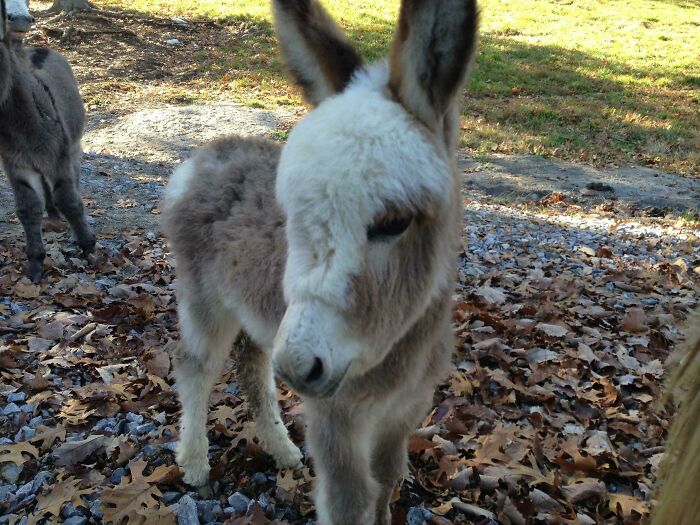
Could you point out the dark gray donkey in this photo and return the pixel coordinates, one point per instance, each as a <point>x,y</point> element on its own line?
<point>41,124</point>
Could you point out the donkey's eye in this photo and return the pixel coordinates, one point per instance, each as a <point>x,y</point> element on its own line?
<point>386,228</point>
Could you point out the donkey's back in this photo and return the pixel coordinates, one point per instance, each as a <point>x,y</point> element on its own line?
<point>53,71</point>
<point>227,232</point>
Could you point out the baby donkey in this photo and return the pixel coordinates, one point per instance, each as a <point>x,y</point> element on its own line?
<point>41,124</point>
<point>335,253</point>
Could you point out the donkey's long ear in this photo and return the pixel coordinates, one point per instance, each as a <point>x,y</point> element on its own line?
<point>3,20</point>
<point>431,53</point>
<point>321,60</point>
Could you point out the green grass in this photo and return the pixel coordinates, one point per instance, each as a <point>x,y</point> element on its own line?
<point>602,81</point>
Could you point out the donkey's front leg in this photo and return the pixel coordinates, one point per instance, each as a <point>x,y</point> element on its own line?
<point>206,336</point>
<point>389,461</point>
<point>338,443</point>
<point>29,201</point>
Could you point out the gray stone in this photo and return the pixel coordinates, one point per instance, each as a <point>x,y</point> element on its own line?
<point>117,475</point>
<point>24,491</point>
<point>209,510</point>
<point>170,496</point>
<point>415,516</point>
<point>134,418</point>
<point>39,480</point>
<point>95,510</point>
<point>76,520</point>
<point>145,428</point>
<point>10,409</point>
<point>187,511</point>
<point>103,424</point>
<point>150,451</point>
<point>5,441</point>
<point>36,422</point>
<point>69,510</point>
<point>10,471</point>
<point>259,478</point>
<point>172,446</point>
<point>27,409</point>
<point>7,492</point>
<point>239,503</point>
<point>25,434</point>
<point>16,397</point>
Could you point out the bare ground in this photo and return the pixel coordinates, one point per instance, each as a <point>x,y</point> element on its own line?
<point>129,156</point>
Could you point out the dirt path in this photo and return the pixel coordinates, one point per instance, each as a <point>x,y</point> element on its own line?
<point>129,156</point>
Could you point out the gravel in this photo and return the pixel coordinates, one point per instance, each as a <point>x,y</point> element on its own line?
<point>16,397</point>
<point>239,503</point>
<point>10,408</point>
<point>187,511</point>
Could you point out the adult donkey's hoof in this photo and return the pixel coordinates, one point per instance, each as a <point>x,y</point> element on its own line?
<point>35,270</point>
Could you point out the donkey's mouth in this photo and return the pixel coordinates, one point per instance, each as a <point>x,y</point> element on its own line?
<point>17,36</point>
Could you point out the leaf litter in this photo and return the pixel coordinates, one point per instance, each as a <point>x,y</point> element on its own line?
<point>564,318</point>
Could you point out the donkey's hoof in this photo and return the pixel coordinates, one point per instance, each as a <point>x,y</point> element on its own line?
<point>88,246</point>
<point>287,455</point>
<point>195,466</point>
<point>35,270</point>
<point>196,474</point>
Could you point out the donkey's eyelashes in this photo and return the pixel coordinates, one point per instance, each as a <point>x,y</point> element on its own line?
<point>388,227</point>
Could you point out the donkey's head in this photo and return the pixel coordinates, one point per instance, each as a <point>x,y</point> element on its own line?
<point>16,19</point>
<point>367,183</point>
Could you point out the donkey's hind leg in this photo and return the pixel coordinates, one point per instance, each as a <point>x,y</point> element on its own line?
<point>255,377</point>
<point>67,198</point>
<point>206,337</point>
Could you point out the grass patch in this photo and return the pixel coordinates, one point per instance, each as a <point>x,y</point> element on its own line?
<point>601,81</point>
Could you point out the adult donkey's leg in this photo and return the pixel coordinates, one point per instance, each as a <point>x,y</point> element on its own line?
<point>255,377</point>
<point>29,202</point>
<point>67,198</point>
<point>345,489</point>
<point>206,336</point>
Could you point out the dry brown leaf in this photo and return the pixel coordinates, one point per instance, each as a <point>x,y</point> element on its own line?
<point>584,489</point>
<point>16,453</point>
<point>491,296</point>
<point>623,505</point>
<point>47,436</point>
<point>635,321</point>
<point>26,290</point>
<point>57,496</point>
<point>552,330</point>
<point>131,500</point>
<point>74,452</point>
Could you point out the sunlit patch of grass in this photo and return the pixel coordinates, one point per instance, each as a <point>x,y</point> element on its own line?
<point>597,81</point>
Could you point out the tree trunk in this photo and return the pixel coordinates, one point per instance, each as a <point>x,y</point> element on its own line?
<point>68,6</point>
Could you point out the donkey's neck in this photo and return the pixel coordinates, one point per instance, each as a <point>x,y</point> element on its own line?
<point>6,73</point>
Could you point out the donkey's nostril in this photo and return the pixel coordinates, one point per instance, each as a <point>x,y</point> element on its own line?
<point>316,371</point>
<point>32,19</point>
<point>11,16</point>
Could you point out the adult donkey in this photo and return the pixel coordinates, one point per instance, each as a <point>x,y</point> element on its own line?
<point>41,124</point>
<point>345,280</point>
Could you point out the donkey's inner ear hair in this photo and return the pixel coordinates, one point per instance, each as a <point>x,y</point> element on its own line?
<point>432,50</point>
<point>320,59</point>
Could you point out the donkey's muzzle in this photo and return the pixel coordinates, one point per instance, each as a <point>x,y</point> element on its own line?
<point>19,23</point>
<point>308,375</point>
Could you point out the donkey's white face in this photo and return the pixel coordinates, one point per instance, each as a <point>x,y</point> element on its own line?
<point>357,163</point>
<point>365,182</point>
